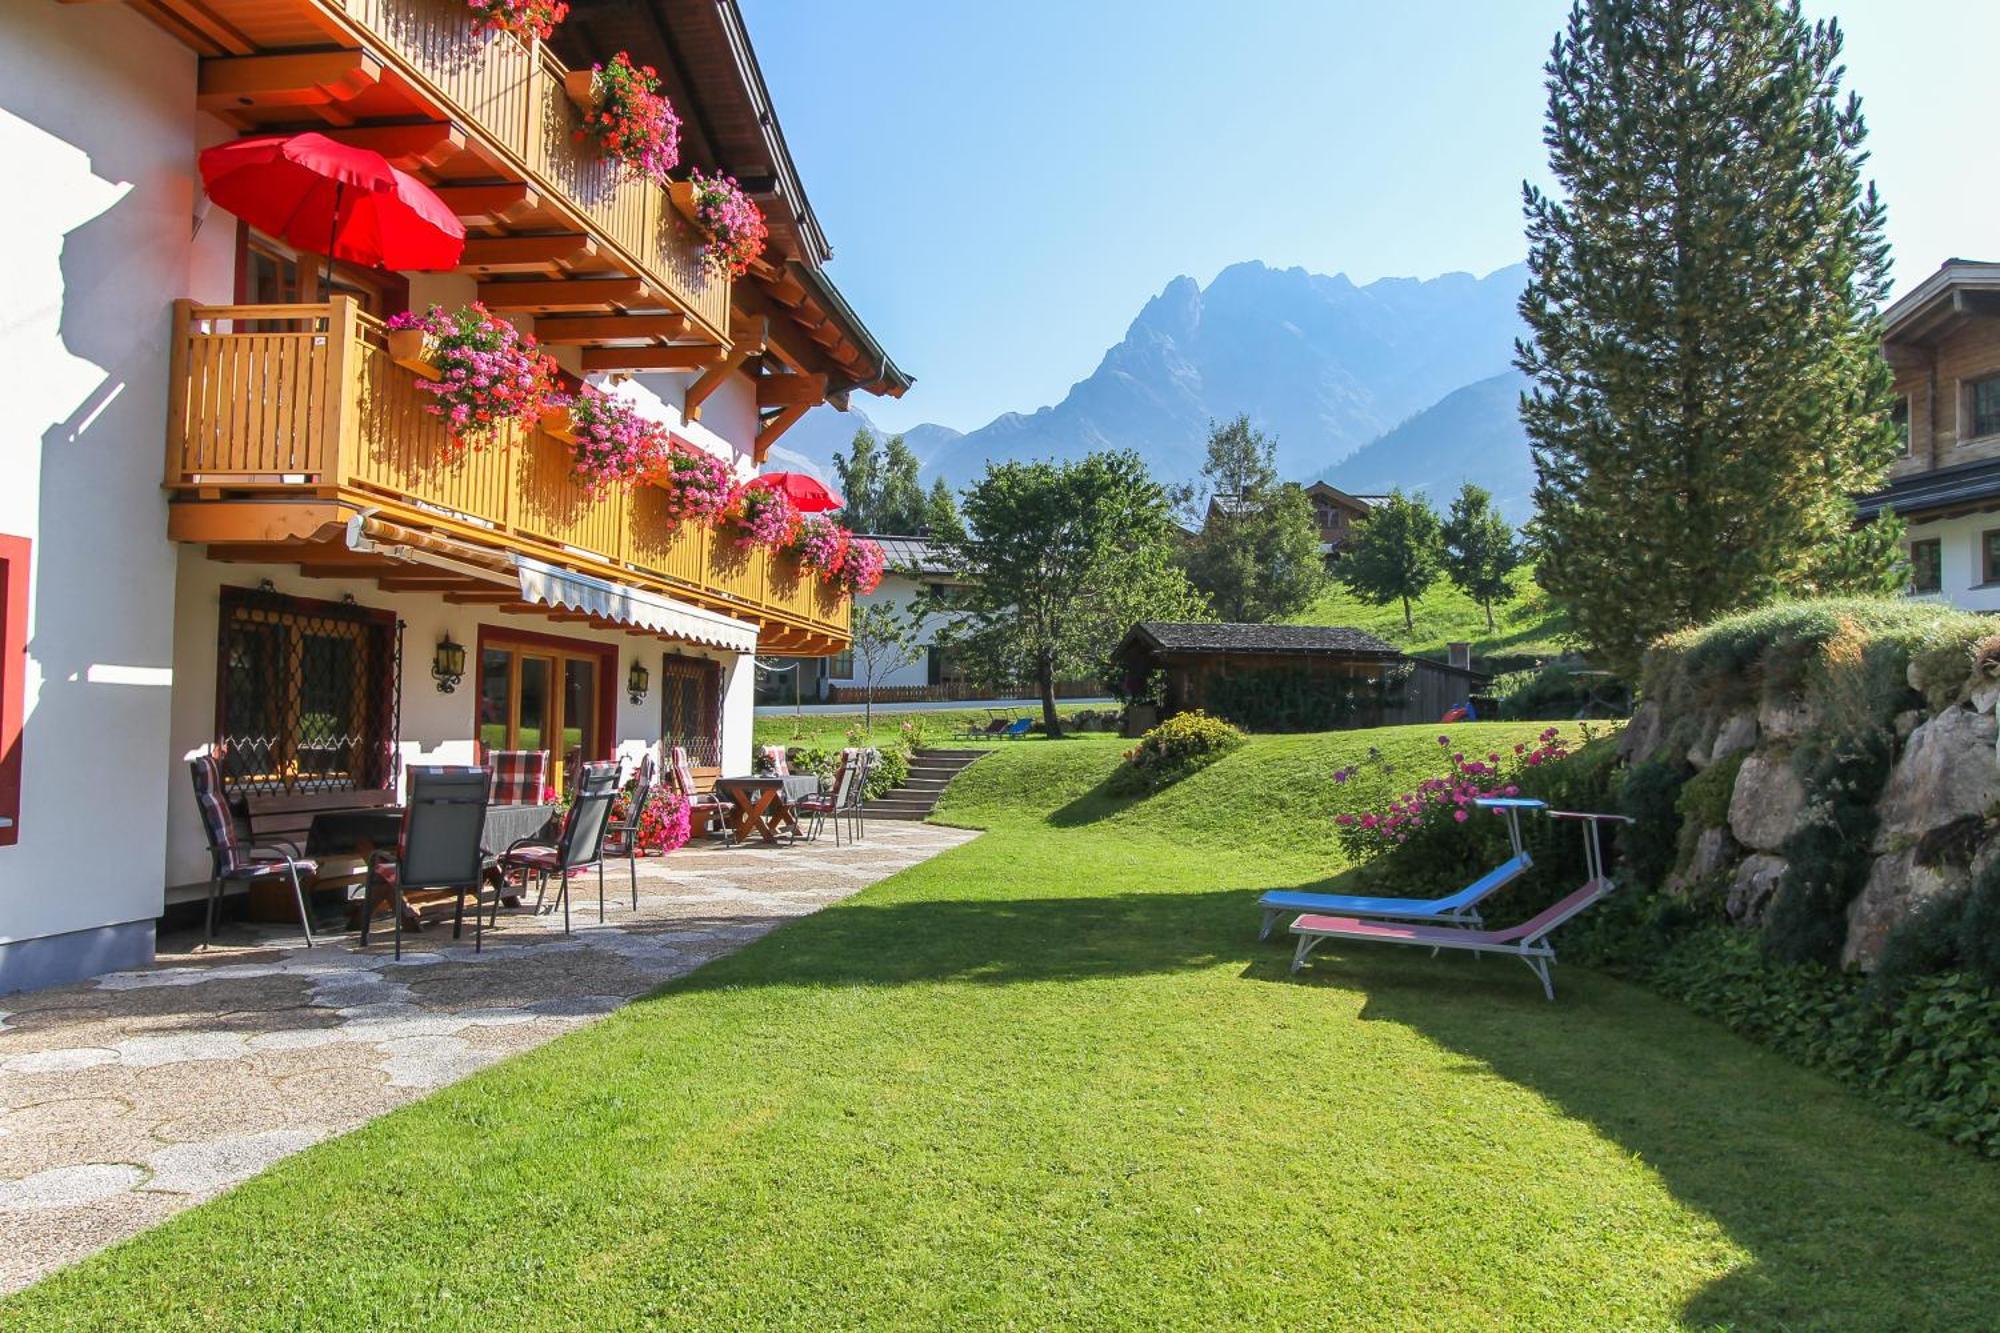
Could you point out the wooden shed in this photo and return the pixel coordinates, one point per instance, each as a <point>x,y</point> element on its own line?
<point>1286,677</point>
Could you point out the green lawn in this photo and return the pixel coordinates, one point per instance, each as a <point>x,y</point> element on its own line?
<point>940,727</point>
<point>1051,1080</point>
<point>1530,625</point>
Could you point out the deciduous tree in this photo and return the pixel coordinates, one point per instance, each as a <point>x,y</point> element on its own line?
<point>1062,559</point>
<point>1257,555</point>
<point>1396,554</point>
<point>1481,551</point>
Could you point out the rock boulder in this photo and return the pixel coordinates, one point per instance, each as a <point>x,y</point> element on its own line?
<point>1897,886</point>
<point>1947,773</point>
<point>1750,893</point>
<point>1765,804</point>
<point>1738,732</point>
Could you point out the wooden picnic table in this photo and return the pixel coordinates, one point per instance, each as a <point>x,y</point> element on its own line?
<point>764,805</point>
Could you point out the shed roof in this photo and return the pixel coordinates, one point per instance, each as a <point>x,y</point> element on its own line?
<point>1174,636</point>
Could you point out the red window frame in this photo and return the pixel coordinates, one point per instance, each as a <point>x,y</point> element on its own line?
<point>13,678</point>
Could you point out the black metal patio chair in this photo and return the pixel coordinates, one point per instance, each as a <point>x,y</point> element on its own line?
<point>231,860</point>
<point>438,848</point>
<point>622,835</point>
<point>580,845</point>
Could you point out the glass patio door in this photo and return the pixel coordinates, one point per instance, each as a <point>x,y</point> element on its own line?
<point>535,698</point>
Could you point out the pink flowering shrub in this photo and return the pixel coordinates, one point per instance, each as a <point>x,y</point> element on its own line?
<point>699,486</point>
<point>1444,797</point>
<point>732,224</point>
<point>763,517</point>
<point>615,446</point>
<point>631,121</point>
<point>490,373</point>
<point>820,545</point>
<point>861,571</point>
<point>534,20</point>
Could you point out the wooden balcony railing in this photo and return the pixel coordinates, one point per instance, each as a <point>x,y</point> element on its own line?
<point>511,94</point>
<point>304,400</point>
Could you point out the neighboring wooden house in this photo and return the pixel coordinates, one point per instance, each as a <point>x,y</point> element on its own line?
<point>1943,342</point>
<point>1287,677</point>
<point>1336,513</point>
<point>318,580</point>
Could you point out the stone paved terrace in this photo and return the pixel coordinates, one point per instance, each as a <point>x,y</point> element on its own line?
<point>132,1096</point>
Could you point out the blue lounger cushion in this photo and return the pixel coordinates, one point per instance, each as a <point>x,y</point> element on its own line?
<point>1416,909</point>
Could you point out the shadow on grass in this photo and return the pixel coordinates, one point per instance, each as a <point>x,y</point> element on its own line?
<point>1851,1219</point>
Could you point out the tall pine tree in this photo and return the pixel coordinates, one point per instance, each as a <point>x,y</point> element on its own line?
<point>1707,385</point>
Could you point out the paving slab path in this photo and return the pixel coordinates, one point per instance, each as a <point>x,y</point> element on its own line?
<point>129,1097</point>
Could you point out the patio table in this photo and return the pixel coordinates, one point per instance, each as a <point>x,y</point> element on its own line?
<point>363,832</point>
<point>764,805</point>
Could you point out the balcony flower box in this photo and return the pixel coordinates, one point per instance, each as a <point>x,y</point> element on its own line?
<point>622,111</point>
<point>415,349</point>
<point>558,421</point>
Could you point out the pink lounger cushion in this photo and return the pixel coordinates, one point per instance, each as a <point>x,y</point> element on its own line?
<point>1385,930</point>
<point>1540,924</point>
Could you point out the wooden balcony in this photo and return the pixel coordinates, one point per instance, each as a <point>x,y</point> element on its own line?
<point>509,95</point>
<point>303,403</point>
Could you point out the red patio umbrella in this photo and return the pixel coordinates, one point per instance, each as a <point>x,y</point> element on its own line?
<point>807,493</point>
<point>335,200</point>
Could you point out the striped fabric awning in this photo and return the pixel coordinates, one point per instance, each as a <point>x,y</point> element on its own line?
<point>550,585</point>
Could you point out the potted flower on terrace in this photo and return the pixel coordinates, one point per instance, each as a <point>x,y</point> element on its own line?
<point>764,517</point>
<point>820,546</point>
<point>614,445</point>
<point>627,117</point>
<point>481,371</point>
<point>530,20</point>
<point>861,570</point>
<point>731,225</point>
<point>699,486</point>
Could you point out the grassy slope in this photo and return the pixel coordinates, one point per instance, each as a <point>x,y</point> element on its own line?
<point>940,727</point>
<point>1530,624</point>
<point>1051,1079</point>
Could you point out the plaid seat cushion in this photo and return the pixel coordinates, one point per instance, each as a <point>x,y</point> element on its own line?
<point>534,858</point>
<point>774,757</point>
<point>519,776</point>
<point>262,867</point>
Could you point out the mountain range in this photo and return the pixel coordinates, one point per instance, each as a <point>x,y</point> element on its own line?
<point>1398,382</point>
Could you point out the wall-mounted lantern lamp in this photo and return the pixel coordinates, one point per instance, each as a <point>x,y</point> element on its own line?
<point>637,680</point>
<point>448,665</point>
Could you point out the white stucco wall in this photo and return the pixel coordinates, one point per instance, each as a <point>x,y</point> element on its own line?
<point>896,591</point>
<point>98,132</point>
<point>436,727</point>
<point>1959,552</point>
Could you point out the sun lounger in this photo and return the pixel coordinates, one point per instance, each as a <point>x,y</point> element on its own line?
<point>1459,908</point>
<point>1527,941</point>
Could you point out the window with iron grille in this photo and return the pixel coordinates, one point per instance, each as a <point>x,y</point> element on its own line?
<point>691,707</point>
<point>307,694</point>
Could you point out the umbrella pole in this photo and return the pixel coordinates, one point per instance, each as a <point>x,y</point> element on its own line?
<point>332,233</point>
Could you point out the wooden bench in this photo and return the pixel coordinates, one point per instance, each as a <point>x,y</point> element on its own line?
<point>287,817</point>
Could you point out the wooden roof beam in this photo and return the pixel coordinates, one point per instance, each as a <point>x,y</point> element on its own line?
<point>417,147</point>
<point>525,254</point>
<point>583,329</point>
<point>712,378</point>
<point>317,78</point>
<point>778,425</point>
<point>536,295</point>
<point>790,390</point>
<point>674,356</point>
<point>489,205</point>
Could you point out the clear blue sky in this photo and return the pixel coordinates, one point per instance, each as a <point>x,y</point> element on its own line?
<point>1006,184</point>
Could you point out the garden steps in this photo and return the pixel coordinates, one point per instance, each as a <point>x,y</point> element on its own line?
<point>931,771</point>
